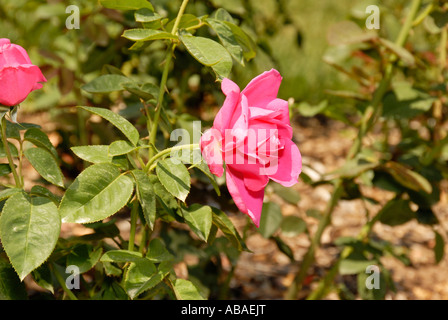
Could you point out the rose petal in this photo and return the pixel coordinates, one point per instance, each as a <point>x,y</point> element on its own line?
<point>228,110</point>
<point>228,86</point>
<point>263,88</point>
<point>13,55</point>
<point>4,41</point>
<point>16,83</point>
<point>249,202</point>
<point>289,165</point>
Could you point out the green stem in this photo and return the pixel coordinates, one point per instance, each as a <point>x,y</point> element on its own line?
<point>134,217</point>
<point>152,162</point>
<point>423,15</point>
<point>9,156</point>
<point>159,106</point>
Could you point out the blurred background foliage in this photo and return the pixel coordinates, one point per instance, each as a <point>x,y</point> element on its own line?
<point>291,35</point>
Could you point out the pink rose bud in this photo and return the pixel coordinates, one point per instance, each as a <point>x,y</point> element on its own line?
<point>18,76</point>
<point>251,136</point>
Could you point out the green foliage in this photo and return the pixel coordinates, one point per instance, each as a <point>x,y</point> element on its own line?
<point>97,193</point>
<point>29,229</point>
<point>174,177</point>
<point>44,163</point>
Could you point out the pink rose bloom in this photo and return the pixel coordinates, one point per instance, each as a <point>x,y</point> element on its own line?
<point>18,76</point>
<point>251,136</point>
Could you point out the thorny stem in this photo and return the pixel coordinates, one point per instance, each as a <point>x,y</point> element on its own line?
<point>373,111</point>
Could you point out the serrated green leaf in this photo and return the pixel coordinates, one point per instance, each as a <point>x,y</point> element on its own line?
<point>223,15</point>
<point>244,40</point>
<point>5,194</point>
<point>121,256</point>
<point>174,177</point>
<point>120,147</point>
<point>227,39</point>
<point>199,218</point>
<point>97,193</point>
<point>142,276</point>
<point>13,129</point>
<point>111,270</point>
<point>40,139</point>
<point>209,53</point>
<point>126,4</point>
<point>118,121</point>
<point>146,196</point>
<point>186,290</point>
<point>166,199</point>
<point>146,15</point>
<point>93,154</point>
<point>45,164</point>
<point>147,35</point>
<point>138,273</point>
<point>105,84</point>
<point>223,222</point>
<point>29,230</point>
